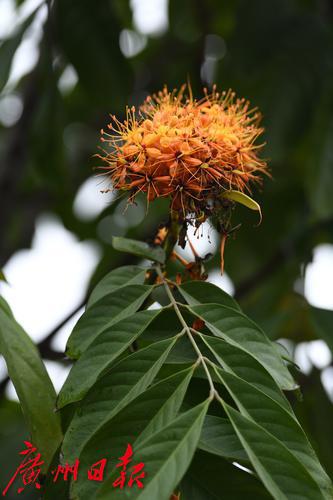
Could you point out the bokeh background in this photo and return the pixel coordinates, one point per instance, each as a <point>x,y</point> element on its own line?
<point>64,66</point>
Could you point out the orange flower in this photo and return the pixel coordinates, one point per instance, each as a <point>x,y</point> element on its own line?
<point>188,150</point>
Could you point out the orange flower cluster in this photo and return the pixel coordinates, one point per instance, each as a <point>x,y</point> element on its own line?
<point>188,150</point>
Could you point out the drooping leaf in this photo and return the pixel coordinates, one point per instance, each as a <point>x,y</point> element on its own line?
<point>139,248</point>
<point>142,418</point>
<point>166,455</point>
<point>112,392</point>
<point>33,386</point>
<point>284,476</point>
<point>210,477</point>
<point>203,292</point>
<point>235,360</point>
<point>104,313</point>
<point>218,437</point>
<point>235,328</point>
<point>268,414</point>
<point>115,279</point>
<point>100,355</point>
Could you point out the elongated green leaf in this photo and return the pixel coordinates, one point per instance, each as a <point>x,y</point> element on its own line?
<point>112,392</point>
<point>143,417</point>
<point>139,248</point>
<point>267,413</point>
<point>237,329</point>
<point>202,292</point>
<point>212,478</point>
<point>115,279</point>
<point>284,476</point>
<point>235,360</point>
<point>166,455</point>
<point>33,385</point>
<point>218,437</point>
<point>102,314</point>
<point>103,351</point>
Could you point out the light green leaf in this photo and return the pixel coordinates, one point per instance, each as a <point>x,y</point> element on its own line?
<point>242,198</point>
<point>218,437</point>
<point>237,329</point>
<point>166,455</point>
<point>115,279</point>
<point>100,355</point>
<point>112,392</point>
<point>33,386</point>
<point>284,476</point>
<point>202,292</point>
<point>103,314</point>
<point>143,417</point>
<point>5,307</point>
<point>267,413</point>
<point>139,248</point>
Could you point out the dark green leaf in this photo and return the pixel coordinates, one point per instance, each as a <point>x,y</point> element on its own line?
<point>281,424</point>
<point>142,418</point>
<point>166,454</point>
<point>202,292</point>
<point>212,478</point>
<point>102,314</point>
<point>100,355</point>
<point>33,386</point>
<point>235,360</point>
<point>235,328</point>
<point>112,392</point>
<point>218,437</point>
<point>117,278</point>
<point>284,476</point>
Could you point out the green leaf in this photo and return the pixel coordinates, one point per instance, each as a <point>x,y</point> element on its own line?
<point>237,361</point>
<point>112,392</point>
<point>284,476</point>
<point>143,417</point>
<point>202,292</point>
<point>115,279</point>
<point>102,352</point>
<point>2,276</point>
<point>166,455</point>
<point>33,386</point>
<point>139,248</point>
<point>213,478</point>
<point>237,329</point>
<point>281,424</point>
<point>219,438</point>
<point>103,314</point>
<point>5,307</point>
<point>242,198</point>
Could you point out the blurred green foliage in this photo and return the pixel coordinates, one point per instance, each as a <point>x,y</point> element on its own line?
<point>279,54</point>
